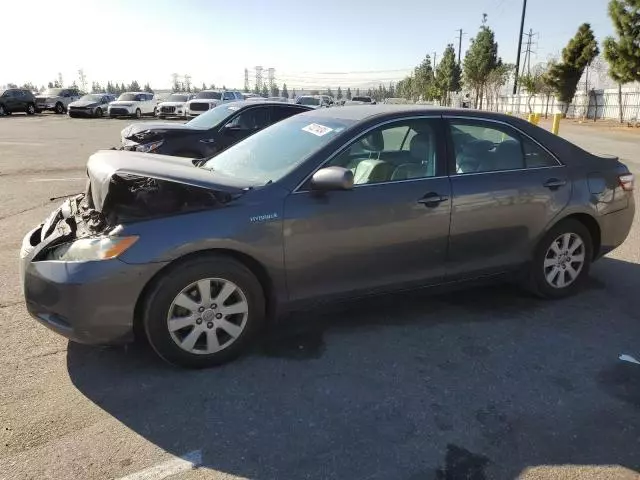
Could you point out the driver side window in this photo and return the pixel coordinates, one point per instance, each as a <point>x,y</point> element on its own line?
<point>404,150</point>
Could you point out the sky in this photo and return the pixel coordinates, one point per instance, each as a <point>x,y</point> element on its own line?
<point>310,45</point>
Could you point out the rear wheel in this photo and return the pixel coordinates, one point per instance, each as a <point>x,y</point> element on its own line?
<point>204,312</point>
<point>59,108</point>
<point>138,113</point>
<point>3,110</point>
<point>562,260</point>
<point>98,113</point>
<point>31,109</point>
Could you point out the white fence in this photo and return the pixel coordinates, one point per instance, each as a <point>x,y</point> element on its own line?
<point>597,104</point>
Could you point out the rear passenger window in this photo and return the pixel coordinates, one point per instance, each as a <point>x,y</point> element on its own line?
<point>485,147</point>
<point>280,113</point>
<point>536,157</point>
<point>405,150</point>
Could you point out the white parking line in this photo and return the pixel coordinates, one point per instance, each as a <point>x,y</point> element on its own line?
<point>187,462</point>
<point>71,179</point>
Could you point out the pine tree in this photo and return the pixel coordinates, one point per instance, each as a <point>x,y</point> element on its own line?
<point>204,87</point>
<point>147,88</point>
<point>293,93</point>
<point>424,79</point>
<point>339,94</point>
<point>348,93</point>
<point>623,53</point>
<point>447,78</point>
<point>576,56</point>
<point>330,92</point>
<point>265,91</point>
<point>479,61</point>
<point>357,92</point>
<point>285,92</point>
<point>50,85</point>
<point>392,90</point>
<point>275,91</point>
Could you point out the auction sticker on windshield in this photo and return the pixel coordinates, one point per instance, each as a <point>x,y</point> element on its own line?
<point>317,129</point>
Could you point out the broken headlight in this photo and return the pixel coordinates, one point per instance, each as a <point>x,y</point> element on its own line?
<point>91,249</point>
<point>149,147</point>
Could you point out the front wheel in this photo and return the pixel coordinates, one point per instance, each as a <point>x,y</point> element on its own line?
<point>562,260</point>
<point>138,113</point>
<point>59,108</point>
<point>31,109</point>
<point>204,312</point>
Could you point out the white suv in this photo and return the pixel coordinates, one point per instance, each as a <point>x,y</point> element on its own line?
<point>133,104</point>
<point>207,99</point>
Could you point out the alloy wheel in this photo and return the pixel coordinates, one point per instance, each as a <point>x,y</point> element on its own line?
<point>207,316</point>
<point>564,260</point>
<point>31,109</point>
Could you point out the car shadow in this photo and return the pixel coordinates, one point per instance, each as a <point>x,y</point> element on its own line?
<point>479,383</point>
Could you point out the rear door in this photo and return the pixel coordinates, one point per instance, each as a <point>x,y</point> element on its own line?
<point>10,100</point>
<point>389,231</point>
<point>506,189</point>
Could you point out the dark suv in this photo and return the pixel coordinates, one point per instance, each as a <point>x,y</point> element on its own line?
<point>17,100</point>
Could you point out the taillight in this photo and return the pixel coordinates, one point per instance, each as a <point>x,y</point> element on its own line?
<point>626,181</point>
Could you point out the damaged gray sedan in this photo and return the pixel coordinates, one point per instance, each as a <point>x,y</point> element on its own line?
<point>328,204</point>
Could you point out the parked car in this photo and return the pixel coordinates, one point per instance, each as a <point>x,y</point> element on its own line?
<point>17,100</point>
<point>56,99</point>
<point>328,204</point>
<point>278,99</point>
<point>247,96</point>
<point>361,100</point>
<point>313,101</point>
<point>133,104</point>
<point>209,133</point>
<point>174,105</point>
<point>91,105</point>
<point>208,99</point>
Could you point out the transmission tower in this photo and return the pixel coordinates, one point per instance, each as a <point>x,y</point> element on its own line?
<point>259,77</point>
<point>246,79</point>
<point>271,78</point>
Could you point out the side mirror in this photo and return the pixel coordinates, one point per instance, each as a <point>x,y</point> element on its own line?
<point>332,178</point>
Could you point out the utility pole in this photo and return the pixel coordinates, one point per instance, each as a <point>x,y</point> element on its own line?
<point>515,80</point>
<point>460,33</point>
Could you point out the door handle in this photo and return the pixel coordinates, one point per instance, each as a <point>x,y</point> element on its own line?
<point>432,199</point>
<point>554,183</point>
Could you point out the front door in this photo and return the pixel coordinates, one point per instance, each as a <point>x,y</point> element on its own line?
<point>506,190</point>
<point>390,230</point>
<point>242,125</point>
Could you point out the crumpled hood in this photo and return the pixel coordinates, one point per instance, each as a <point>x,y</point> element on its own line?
<point>105,164</point>
<point>83,103</point>
<point>151,126</point>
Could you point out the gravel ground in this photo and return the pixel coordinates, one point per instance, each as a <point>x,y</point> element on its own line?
<point>475,384</point>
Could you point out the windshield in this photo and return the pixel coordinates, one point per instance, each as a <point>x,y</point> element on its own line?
<point>52,92</point>
<point>91,98</point>
<point>308,101</point>
<point>361,99</point>
<point>270,154</point>
<point>177,97</point>
<point>210,95</point>
<point>213,117</point>
<point>127,96</point>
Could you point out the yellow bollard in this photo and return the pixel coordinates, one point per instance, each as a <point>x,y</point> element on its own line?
<point>536,118</point>
<point>556,123</point>
<point>530,118</point>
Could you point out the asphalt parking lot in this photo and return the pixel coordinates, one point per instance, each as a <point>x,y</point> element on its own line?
<point>475,384</point>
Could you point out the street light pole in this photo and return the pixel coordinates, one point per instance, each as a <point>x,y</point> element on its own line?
<point>515,81</point>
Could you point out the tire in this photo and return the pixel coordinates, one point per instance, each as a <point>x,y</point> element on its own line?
<point>31,109</point>
<point>232,333</point>
<point>161,117</point>
<point>59,108</point>
<point>138,113</point>
<point>3,110</point>
<point>98,113</point>
<point>155,111</point>
<point>551,272</point>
